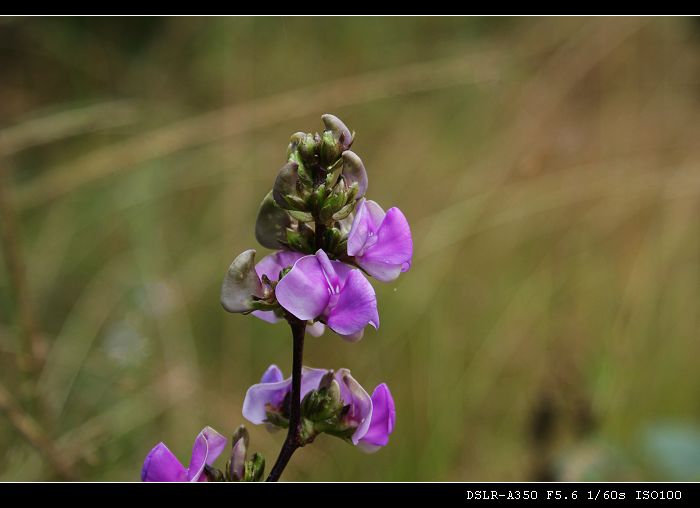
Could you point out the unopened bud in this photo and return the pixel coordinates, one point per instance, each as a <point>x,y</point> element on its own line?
<point>271,223</point>
<point>340,131</point>
<point>308,147</point>
<point>254,468</point>
<point>286,185</point>
<point>354,172</point>
<point>241,284</point>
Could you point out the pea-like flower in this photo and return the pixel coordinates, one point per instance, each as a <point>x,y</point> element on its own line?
<point>330,291</point>
<point>161,465</point>
<point>380,242</point>
<point>365,421</point>
<point>271,266</point>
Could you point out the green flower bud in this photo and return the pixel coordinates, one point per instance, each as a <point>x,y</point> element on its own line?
<point>345,211</point>
<point>286,185</point>
<point>323,403</point>
<point>330,149</point>
<point>294,141</point>
<point>331,205</point>
<point>331,240</point>
<point>301,216</point>
<point>340,132</point>
<point>271,224</point>
<point>254,468</point>
<point>300,241</point>
<point>308,148</point>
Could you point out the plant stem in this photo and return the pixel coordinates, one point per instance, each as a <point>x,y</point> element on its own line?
<point>293,440</point>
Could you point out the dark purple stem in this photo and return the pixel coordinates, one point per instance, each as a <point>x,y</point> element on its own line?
<point>293,440</point>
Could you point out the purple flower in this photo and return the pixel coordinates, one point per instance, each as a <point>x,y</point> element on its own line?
<point>162,466</point>
<point>271,266</point>
<point>335,293</point>
<point>380,242</point>
<point>372,417</point>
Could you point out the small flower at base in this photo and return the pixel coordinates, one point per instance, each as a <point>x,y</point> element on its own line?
<point>162,466</point>
<point>333,403</point>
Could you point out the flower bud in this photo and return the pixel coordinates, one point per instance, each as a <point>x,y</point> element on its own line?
<point>308,147</point>
<point>340,132</point>
<point>237,462</point>
<point>323,403</point>
<point>299,241</point>
<point>254,468</point>
<point>241,284</point>
<point>294,142</point>
<point>330,149</point>
<point>330,206</point>
<point>354,172</point>
<point>286,185</point>
<point>331,240</point>
<point>271,224</point>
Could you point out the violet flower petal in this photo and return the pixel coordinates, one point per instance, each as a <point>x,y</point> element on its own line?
<point>259,395</point>
<point>272,390</point>
<point>356,306</point>
<point>310,379</point>
<point>359,400</point>
<point>304,290</point>
<point>273,374</point>
<point>162,466</point>
<point>380,242</point>
<point>393,250</point>
<point>268,316</point>
<point>368,218</point>
<point>273,264</point>
<point>382,422</point>
<point>207,447</point>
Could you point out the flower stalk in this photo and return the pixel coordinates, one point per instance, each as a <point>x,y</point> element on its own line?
<point>294,439</point>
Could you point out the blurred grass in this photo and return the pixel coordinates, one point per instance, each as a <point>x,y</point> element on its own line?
<point>549,169</point>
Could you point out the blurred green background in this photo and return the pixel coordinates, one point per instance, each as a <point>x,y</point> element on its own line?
<point>549,169</point>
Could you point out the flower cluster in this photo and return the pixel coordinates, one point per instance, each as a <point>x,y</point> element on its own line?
<point>328,238</point>
<point>332,403</point>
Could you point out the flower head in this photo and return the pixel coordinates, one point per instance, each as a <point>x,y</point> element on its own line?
<point>331,291</point>
<point>162,466</point>
<point>380,242</point>
<point>363,420</point>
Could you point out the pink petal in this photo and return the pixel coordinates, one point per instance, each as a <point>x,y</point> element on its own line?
<point>207,447</point>
<point>392,252</point>
<point>368,217</point>
<point>359,400</point>
<point>274,263</point>
<point>304,290</point>
<point>356,306</point>
<point>273,374</point>
<point>162,466</point>
<point>258,396</point>
<point>383,418</point>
